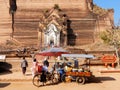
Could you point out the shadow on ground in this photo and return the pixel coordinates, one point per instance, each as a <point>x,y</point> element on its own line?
<point>94,79</point>
<point>5,68</point>
<point>49,84</point>
<point>2,85</point>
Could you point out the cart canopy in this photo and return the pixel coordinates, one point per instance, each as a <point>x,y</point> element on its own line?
<point>90,56</point>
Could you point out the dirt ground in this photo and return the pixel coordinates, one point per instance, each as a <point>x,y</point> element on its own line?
<point>14,80</point>
<point>102,82</point>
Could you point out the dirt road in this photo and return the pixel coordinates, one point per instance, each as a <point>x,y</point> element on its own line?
<point>16,81</point>
<point>100,82</point>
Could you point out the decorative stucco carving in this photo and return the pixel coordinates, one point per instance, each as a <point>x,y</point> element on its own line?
<point>54,27</point>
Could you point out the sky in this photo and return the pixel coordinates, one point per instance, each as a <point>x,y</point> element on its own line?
<point>108,4</point>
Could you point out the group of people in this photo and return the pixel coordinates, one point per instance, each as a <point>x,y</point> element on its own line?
<point>43,68</point>
<point>36,67</point>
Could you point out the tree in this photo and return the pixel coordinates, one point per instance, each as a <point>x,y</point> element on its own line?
<point>12,10</point>
<point>112,37</point>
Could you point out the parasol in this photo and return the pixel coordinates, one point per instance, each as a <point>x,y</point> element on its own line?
<point>55,51</point>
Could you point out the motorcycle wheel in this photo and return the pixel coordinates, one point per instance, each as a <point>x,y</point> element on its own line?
<point>36,80</point>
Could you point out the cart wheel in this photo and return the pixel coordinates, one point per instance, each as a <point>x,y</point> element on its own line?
<point>63,78</point>
<point>55,78</point>
<point>36,80</point>
<point>80,80</point>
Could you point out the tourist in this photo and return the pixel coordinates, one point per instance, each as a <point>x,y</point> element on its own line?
<point>24,65</point>
<point>34,68</point>
<point>44,73</point>
<point>24,50</point>
<point>45,62</point>
<point>51,43</point>
<point>76,63</point>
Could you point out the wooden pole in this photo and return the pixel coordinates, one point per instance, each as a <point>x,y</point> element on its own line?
<point>12,24</point>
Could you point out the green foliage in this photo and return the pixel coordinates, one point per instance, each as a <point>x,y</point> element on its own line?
<point>111,37</point>
<point>105,36</point>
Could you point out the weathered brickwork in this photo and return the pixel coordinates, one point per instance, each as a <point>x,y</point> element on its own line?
<point>84,23</point>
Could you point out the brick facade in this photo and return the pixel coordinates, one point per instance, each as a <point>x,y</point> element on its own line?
<point>84,24</point>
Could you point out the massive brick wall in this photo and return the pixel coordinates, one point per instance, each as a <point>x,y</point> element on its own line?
<point>29,12</point>
<point>83,21</point>
<point>5,21</point>
<point>50,3</point>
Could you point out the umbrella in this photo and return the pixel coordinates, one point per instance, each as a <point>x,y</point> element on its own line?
<point>55,51</point>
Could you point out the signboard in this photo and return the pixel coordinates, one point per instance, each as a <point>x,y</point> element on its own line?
<point>108,59</point>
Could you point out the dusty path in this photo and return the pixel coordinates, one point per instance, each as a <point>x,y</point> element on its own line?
<point>16,81</point>
<point>102,82</point>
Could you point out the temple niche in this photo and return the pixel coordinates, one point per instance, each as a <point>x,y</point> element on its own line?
<point>52,36</point>
<point>53,26</point>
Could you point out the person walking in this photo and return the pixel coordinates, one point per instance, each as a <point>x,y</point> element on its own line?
<point>34,67</point>
<point>24,65</point>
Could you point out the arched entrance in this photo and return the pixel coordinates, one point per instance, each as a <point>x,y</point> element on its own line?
<point>52,36</point>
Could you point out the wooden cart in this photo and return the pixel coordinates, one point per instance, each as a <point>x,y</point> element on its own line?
<point>79,75</point>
